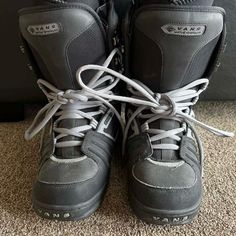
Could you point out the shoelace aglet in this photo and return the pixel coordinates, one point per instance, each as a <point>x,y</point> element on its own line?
<point>226,134</point>
<point>26,136</point>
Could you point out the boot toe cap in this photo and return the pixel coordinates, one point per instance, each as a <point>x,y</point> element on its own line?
<point>166,186</point>
<point>69,183</point>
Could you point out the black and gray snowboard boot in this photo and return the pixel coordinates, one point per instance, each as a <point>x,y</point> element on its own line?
<point>172,50</point>
<point>79,131</point>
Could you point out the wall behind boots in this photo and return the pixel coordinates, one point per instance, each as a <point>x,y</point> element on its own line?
<point>17,81</point>
<point>223,83</point>
<point>19,85</point>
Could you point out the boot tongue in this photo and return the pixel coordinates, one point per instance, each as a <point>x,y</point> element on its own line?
<point>170,52</point>
<point>74,151</point>
<point>70,152</point>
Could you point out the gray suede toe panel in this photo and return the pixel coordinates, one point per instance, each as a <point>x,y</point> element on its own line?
<point>53,172</point>
<point>176,175</point>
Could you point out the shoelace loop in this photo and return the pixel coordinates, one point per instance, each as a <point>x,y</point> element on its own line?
<point>67,104</point>
<point>166,105</point>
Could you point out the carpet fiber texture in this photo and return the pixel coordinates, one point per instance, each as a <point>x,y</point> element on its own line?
<point>19,163</point>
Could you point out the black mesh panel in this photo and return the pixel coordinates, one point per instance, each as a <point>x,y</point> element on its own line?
<point>88,48</point>
<point>146,59</point>
<point>200,63</point>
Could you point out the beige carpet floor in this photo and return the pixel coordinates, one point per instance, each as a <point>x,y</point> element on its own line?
<point>18,168</point>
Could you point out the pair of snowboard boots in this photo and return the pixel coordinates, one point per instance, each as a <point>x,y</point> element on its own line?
<point>138,75</point>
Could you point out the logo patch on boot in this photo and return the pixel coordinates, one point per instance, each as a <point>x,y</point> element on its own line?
<point>184,30</point>
<point>46,29</point>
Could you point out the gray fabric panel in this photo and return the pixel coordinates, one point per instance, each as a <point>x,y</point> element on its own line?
<point>67,173</point>
<point>98,146</point>
<point>159,176</point>
<point>139,148</point>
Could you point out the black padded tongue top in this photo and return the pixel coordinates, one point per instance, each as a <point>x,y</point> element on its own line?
<point>179,2</point>
<point>62,38</point>
<point>172,47</point>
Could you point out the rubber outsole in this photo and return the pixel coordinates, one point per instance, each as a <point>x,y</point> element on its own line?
<point>68,213</point>
<point>160,217</point>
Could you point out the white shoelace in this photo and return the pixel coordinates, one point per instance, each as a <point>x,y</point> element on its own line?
<point>174,105</point>
<point>70,105</point>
